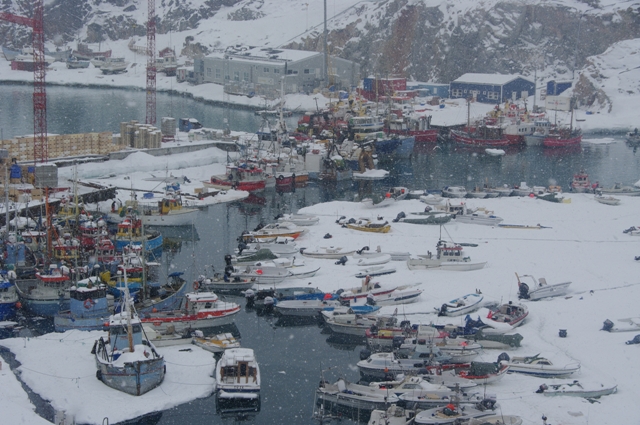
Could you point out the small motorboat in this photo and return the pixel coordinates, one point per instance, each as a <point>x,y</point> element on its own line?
<point>365,252</point>
<point>394,415</point>
<point>496,420</point>
<point>260,274</point>
<point>503,318</point>
<point>607,200</point>
<point>461,305</point>
<point>375,271</point>
<point>238,375</point>
<point>484,372</point>
<point>385,365</point>
<point>215,343</point>
<point>406,294</point>
<point>454,192</point>
<point>538,289</point>
<point>365,225</point>
<point>304,308</point>
<point>631,324</point>
<point>299,219</point>
<point>538,366</point>
<point>354,396</point>
<point>372,260</point>
<point>330,252</point>
<point>577,389</point>
<point>452,413</point>
<point>431,199</point>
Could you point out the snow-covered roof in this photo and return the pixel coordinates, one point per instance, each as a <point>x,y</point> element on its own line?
<point>268,54</point>
<point>496,79</point>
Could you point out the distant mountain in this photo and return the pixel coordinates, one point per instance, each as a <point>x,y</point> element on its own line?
<point>425,40</point>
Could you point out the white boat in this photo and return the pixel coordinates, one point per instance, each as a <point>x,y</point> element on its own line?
<point>303,272</point>
<point>110,65</point>
<point>364,252</point>
<point>304,308</point>
<point>578,389</point>
<point>300,219</point>
<point>453,413</point>
<point>438,396</point>
<point>607,200</point>
<point>503,190</point>
<point>385,365</point>
<point>375,271</point>
<point>127,361</point>
<point>371,175</point>
<point>326,252</point>
<point>461,305</point>
<point>454,192</point>
<point>357,324</point>
<point>495,152</point>
<point>167,211</point>
<point>401,295</point>
<point>461,351</point>
<point>521,190</point>
<point>431,199</point>
<point>354,396</point>
<point>631,324</point>
<point>260,274</point>
<point>364,290</point>
<point>377,203</point>
<point>503,318</point>
<point>215,343</point>
<point>238,374</point>
<point>197,310</point>
<point>463,214</point>
<point>449,256</point>
<point>477,193</point>
<point>620,190</point>
<point>538,366</point>
<point>372,260</point>
<point>280,246</point>
<point>538,289</point>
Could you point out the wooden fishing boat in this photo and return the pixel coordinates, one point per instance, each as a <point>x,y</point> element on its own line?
<point>364,225</point>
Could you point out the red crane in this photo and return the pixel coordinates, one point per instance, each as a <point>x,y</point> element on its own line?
<point>151,64</point>
<point>40,153</point>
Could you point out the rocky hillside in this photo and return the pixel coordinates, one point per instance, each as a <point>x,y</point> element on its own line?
<point>425,40</point>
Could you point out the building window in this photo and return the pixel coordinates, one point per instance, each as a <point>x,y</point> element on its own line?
<point>276,71</point>
<point>492,95</point>
<point>208,72</point>
<point>292,72</point>
<point>465,92</point>
<point>309,71</point>
<point>236,75</point>
<point>218,74</point>
<point>265,70</point>
<point>456,93</point>
<point>484,92</point>
<point>226,77</point>
<point>246,76</point>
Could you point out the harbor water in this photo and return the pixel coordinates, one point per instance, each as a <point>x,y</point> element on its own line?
<point>294,357</point>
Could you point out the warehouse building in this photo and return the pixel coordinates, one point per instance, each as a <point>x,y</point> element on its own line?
<point>491,88</point>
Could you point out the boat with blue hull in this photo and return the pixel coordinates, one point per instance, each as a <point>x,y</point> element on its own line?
<point>88,310</point>
<point>8,298</point>
<point>47,294</point>
<point>130,232</point>
<point>127,361</point>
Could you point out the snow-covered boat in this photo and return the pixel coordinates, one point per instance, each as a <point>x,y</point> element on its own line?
<point>385,365</point>
<point>274,230</point>
<point>463,214</point>
<point>47,294</point>
<point>127,361</point>
<point>365,252</point>
<point>449,256</point>
<point>578,389</point>
<point>280,246</point>
<point>238,375</point>
<point>260,274</point>
<point>431,199</point>
<point>504,317</point>
<point>354,396</point>
<point>363,291</point>
<point>402,295</point>
<point>620,190</point>
<point>249,178</point>
<point>88,307</point>
<point>521,190</point>
<point>357,324</point>
<point>496,341</point>
<point>454,192</point>
<point>461,305</point>
<point>372,260</point>
<point>453,413</point>
<point>538,366</point>
<point>303,308</point>
<point>364,225</point>
<point>484,372</point>
<point>371,175</point>
<point>394,415</point>
<point>197,310</point>
<point>326,252</point>
<point>215,343</point>
<point>168,211</point>
<point>375,271</point>
<point>538,289</point>
<point>631,324</point>
<point>300,219</point>
<point>437,396</point>
<point>607,200</point>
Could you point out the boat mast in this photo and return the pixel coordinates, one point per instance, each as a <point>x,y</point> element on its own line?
<point>128,311</point>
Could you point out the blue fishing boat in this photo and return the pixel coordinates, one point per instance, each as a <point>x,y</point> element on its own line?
<point>127,361</point>
<point>8,297</point>
<point>47,293</point>
<point>88,307</point>
<point>130,232</point>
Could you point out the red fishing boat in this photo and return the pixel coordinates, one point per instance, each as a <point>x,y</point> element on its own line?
<point>243,177</point>
<point>418,127</point>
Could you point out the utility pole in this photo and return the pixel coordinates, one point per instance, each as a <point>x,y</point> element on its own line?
<point>326,49</point>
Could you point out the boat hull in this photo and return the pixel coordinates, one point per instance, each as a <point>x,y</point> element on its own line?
<point>135,378</point>
<point>65,321</point>
<point>183,217</point>
<point>163,322</point>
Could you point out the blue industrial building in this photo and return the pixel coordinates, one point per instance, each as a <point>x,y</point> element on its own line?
<point>491,88</point>
<point>554,88</point>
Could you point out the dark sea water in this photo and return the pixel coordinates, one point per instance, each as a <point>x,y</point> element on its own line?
<point>293,356</point>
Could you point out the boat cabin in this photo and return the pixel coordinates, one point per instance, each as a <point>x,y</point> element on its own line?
<point>239,366</point>
<point>119,334</point>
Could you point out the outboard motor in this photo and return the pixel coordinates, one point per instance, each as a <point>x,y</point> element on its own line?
<point>342,217</point>
<point>607,325</point>
<point>259,226</point>
<point>241,237</point>
<point>227,259</point>
<point>399,216</point>
<point>269,302</point>
<point>365,353</point>
<point>278,216</point>
<point>523,291</point>
<point>342,261</point>
<point>503,356</point>
<point>397,342</point>
<point>443,310</point>
<point>364,248</point>
<point>351,221</point>
<point>371,300</point>
<point>250,296</point>
<point>241,247</point>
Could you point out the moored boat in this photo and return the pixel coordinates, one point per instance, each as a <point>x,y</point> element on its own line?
<point>88,307</point>
<point>578,389</point>
<point>354,396</point>
<point>243,177</point>
<point>449,257</point>
<point>538,366</point>
<point>461,305</point>
<point>8,298</point>
<point>47,294</point>
<point>238,374</point>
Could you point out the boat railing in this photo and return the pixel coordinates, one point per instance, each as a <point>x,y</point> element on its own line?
<point>101,350</point>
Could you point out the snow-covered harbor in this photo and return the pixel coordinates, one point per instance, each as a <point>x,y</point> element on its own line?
<point>581,241</point>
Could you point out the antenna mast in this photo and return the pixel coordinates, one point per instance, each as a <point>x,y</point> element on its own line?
<point>151,64</point>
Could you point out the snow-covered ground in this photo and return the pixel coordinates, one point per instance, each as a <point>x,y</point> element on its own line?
<point>583,242</point>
